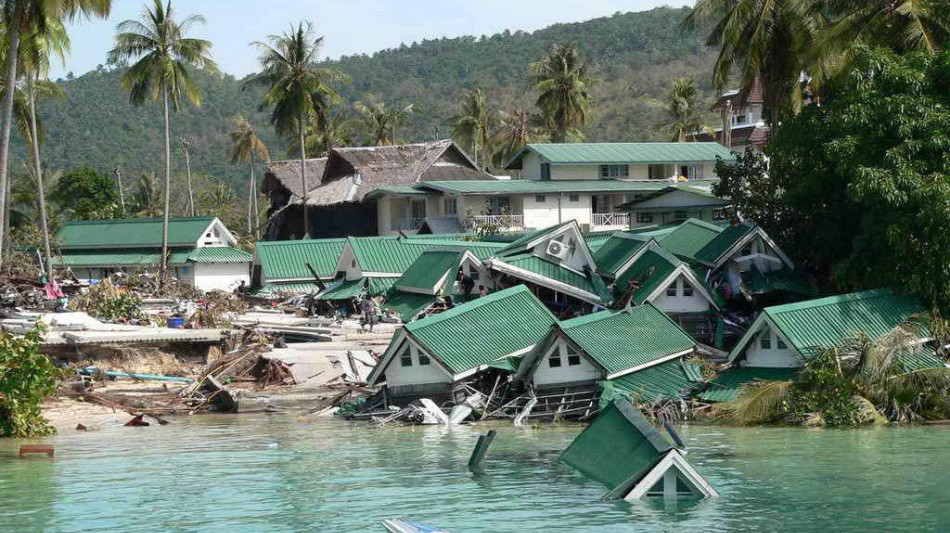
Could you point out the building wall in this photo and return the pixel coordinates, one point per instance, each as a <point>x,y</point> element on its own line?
<point>772,356</point>
<point>531,166</point>
<point>221,276</point>
<point>680,303</point>
<point>349,265</point>
<point>540,214</point>
<point>384,215</point>
<point>668,217</point>
<point>545,375</point>
<point>575,260</point>
<point>402,376</point>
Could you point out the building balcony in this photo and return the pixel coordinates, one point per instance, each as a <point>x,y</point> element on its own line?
<point>502,221</point>
<point>410,224</point>
<point>610,220</point>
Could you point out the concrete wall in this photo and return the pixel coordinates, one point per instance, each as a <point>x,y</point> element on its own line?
<point>398,375</point>
<point>584,371</point>
<point>221,276</point>
<point>681,303</point>
<point>349,265</point>
<point>384,215</point>
<point>771,356</point>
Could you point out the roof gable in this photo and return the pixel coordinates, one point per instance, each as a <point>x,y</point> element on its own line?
<point>617,251</point>
<point>134,233</point>
<point>529,267</point>
<point>720,244</point>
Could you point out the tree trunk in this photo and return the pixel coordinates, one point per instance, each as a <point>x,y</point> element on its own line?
<point>252,202</point>
<point>191,193</point>
<point>7,118</point>
<point>163,271</point>
<point>303,177</point>
<point>38,171</point>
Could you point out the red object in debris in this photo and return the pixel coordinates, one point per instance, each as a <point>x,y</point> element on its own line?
<point>80,427</point>
<point>36,448</point>
<point>137,421</point>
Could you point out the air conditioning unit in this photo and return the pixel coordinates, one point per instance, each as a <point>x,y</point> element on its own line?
<point>558,249</point>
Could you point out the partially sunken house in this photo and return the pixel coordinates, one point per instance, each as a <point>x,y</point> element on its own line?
<point>202,251</point>
<point>625,452</point>
<point>432,356</point>
<point>340,184</point>
<point>294,267</point>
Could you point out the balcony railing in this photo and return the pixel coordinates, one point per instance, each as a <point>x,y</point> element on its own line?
<point>611,219</point>
<point>410,224</point>
<point>503,221</point>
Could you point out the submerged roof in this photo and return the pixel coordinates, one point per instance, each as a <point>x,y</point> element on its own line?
<point>726,386</point>
<point>668,380</point>
<point>619,153</point>
<point>621,341</point>
<point>129,233</point>
<point>483,330</point>
<point>287,260</point>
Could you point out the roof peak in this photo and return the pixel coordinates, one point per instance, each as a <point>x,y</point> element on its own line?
<point>830,300</point>
<point>474,304</point>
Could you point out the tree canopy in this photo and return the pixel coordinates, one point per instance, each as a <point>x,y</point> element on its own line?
<point>87,194</point>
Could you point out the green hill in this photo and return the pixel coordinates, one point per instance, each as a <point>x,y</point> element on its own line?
<point>634,54</point>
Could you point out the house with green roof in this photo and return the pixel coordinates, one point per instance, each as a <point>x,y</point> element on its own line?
<point>676,203</point>
<point>202,251</point>
<point>624,451</point>
<point>284,267</point>
<point>558,262</point>
<point>656,276</point>
<point>607,346</point>
<point>427,357</point>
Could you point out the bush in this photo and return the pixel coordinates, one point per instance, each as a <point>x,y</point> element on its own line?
<point>27,377</point>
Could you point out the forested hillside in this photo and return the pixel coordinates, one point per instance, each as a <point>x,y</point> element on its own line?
<point>635,55</point>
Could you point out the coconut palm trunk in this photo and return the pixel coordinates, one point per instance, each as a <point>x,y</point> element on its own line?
<point>191,192</point>
<point>7,118</point>
<point>252,202</point>
<point>38,171</point>
<point>168,180</point>
<point>303,174</point>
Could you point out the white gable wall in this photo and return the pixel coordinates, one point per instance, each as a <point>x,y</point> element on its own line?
<point>764,350</point>
<point>349,265</point>
<point>583,371</point>
<point>219,276</point>
<point>575,260</point>
<point>398,375</point>
<point>681,303</point>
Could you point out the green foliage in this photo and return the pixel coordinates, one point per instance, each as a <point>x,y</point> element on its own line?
<point>563,83</point>
<point>87,195</point>
<point>27,377</point>
<point>683,112</point>
<point>106,302</point>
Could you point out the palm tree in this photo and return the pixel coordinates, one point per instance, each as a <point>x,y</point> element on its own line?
<point>146,199</point>
<point>296,88</point>
<point>185,145</point>
<point>323,134</point>
<point>164,56</point>
<point>513,134</point>
<point>563,85</point>
<point>245,146</point>
<point>766,39</point>
<point>380,122</point>
<point>23,17</point>
<point>682,110</point>
<point>905,25</point>
<point>473,124</point>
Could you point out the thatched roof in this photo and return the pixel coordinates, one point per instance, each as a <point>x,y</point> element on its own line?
<point>287,175</point>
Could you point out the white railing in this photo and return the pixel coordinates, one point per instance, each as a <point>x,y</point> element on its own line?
<point>611,219</point>
<point>504,221</point>
<point>411,224</point>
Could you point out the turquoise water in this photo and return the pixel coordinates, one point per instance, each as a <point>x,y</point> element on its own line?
<point>274,473</point>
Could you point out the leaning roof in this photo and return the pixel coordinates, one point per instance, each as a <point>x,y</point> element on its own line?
<point>617,250</point>
<point>690,237</point>
<point>287,260</point>
<point>431,267</point>
<point>721,243</point>
<point>623,153</point>
<point>483,330</point>
<point>394,255</point>
<point>649,272</point>
<point>623,340</point>
<point>131,233</point>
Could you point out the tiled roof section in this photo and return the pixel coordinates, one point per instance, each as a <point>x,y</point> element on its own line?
<point>406,304</point>
<point>128,233</point>
<point>621,340</point>
<point>287,174</point>
<point>827,322</point>
<point>726,386</point>
<point>483,330</point>
<point>727,238</point>
<point>739,97</point>
<point>668,380</point>
<point>690,237</point>
<point>287,260</point>
<point>433,265</point>
<point>556,272</point>
<point>648,272</point>
<point>620,153</point>
<point>482,187</point>
<point>617,250</point>
<point>756,134</point>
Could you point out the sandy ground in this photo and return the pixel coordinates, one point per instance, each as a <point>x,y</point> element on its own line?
<point>65,414</point>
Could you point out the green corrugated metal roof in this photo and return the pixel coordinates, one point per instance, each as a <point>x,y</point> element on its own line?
<point>432,266</point>
<point>218,254</point>
<point>98,257</point>
<point>407,304</point>
<point>596,239</point>
<point>621,340</point>
<point>620,445</point>
<point>556,272</point>
<point>520,244</point>
<point>616,251</point>
<point>689,237</point>
<point>144,232</point>
<point>287,260</point>
<point>636,152</point>
<point>783,279</point>
<point>827,322</point>
<point>352,289</point>
<point>725,387</point>
<point>668,380</point>
<point>483,330</point>
<point>489,187</point>
<point>288,288</point>
<point>727,238</point>
<point>393,255</point>
<point>649,271</point>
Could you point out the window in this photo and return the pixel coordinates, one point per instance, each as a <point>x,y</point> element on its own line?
<point>545,171</point>
<point>690,171</point>
<point>614,171</point>
<point>450,206</point>
<point>719,214</point>
<point>765,341</point>
<point>657,172</point>
<point>499,205</point>
<point>687,289</point>
<point>644,218</point>
<point>575,198</point>
<point>353,263</point>
<point>554,361</point>
<point>423,360</point>
<point>474,275</point>
<point>573,359</point>
<point>780,344</point>
<point>679,215</point>
<point>747,249</point>
<point>539,199</point>
<point>406,359</point>
<point>417,209</point>
<point>740,119</point>
<point>671,289</point>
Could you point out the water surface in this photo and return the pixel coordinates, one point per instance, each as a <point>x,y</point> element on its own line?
<point>275,473</point>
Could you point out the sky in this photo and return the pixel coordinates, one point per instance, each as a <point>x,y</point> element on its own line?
<point>349,27</point>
